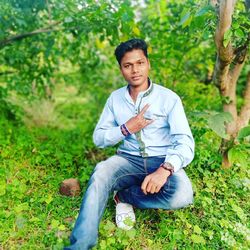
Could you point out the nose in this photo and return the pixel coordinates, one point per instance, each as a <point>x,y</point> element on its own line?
<point>135,68</point>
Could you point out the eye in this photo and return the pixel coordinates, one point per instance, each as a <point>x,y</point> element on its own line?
<point>126,66</point>
<point>141,62</point>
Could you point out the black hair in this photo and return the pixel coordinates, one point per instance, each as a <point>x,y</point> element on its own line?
<point>129,45</point>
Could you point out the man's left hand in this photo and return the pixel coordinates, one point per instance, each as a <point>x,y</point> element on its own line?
<point>155,181</point>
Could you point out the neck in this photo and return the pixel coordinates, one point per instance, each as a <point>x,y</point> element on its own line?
<point>135,90</point>
<point>133,93</point>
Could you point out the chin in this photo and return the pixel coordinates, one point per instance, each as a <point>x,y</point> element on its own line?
<point>136,83</point>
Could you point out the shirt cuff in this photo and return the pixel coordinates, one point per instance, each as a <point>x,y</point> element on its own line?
<point>175,161</point>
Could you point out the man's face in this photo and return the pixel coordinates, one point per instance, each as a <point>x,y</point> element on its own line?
<point>135,68</point>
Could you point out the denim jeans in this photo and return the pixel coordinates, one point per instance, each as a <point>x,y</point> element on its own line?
<point>125,174</point>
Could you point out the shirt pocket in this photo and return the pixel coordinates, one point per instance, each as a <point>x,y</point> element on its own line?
<point>160,120</point>
<point>159,123</point>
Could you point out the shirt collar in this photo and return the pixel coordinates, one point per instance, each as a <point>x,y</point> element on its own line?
<point>148,90</point>
<point>142,93</point>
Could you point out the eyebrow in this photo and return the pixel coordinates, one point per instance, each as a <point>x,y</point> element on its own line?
<point>130,63</point>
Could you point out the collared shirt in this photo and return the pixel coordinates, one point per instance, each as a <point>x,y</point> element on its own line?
<point>169,135</point>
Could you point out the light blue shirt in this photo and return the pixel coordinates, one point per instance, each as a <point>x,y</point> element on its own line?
<point>169,135</point>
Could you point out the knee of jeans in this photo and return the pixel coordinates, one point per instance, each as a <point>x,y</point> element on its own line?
<point>99,166</point>
<point>182,198</point>
<point>101,173</point>
<point>183,195</point>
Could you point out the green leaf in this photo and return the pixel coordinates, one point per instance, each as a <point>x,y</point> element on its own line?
<point>34,219</point>
<point>111,241</point>
<point>239,33</point>
<point>62,227</point>
<point>103,244</point>
<point>217,123</point>
<point>203,10</point>
<point>128,222</point>
<point>227,37</point>
<point>186,20</point>
<point>21,207</point>
<point>2,188</point>
<point>238,210</point>
<point>197,229</point>
<point>48,199</point>
<point>226,99</point>
<point>198,239</point>
<point>226,42</point>
<point>244,132</point>
<point>235,155</point>
<point>228,34</point>
<point>131,233</point>
<point>110,226</point>
<point>210,234</point>
<point>54,224</point>
<point>126,17</point>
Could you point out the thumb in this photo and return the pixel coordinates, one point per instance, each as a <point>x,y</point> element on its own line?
<point>144,110</point>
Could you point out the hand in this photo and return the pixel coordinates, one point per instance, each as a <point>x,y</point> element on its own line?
<point>138,122</point>
<point>155,181</point>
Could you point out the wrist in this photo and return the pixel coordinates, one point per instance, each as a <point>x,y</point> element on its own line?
<point>168,167</point>
<point>164,172</point>
<point>125,130</point>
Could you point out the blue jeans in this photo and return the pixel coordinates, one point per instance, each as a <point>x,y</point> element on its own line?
<point>125,173</point>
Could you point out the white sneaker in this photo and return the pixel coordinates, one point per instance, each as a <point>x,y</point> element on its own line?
<point>125,216</point>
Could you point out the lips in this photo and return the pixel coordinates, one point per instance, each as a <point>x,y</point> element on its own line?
<point>134,78</point>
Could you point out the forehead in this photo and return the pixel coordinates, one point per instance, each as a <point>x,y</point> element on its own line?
<point>133,56</point>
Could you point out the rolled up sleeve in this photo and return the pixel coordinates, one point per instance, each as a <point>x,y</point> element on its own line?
<point>181,153</point>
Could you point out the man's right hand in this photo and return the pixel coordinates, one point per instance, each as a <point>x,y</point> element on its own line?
<point>138,122</point>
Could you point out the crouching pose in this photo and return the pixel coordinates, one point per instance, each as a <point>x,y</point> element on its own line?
<point>147,171</point>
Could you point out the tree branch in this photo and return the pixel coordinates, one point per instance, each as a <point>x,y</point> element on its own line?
<point>221,70</point>
<point>224,55</point>
<point>12,39</point>
<point>244,116</point>
<point>7,72</point>
<point>214,3</point>
<point>226,9</point>
<point>240,60</point>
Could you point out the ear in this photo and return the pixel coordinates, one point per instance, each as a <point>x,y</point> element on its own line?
<point>120,68</point>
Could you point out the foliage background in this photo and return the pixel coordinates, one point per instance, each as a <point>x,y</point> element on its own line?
<point>53,85</point>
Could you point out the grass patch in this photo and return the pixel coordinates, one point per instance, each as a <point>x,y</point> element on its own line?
<point>34,161</point>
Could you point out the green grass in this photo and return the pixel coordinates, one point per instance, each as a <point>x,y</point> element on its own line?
<point>35,160</point>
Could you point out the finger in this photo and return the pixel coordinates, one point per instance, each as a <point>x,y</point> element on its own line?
<point>153,190</point>
<point>145,123</point>
<point>158,188</point>
<point>144,190</point>
<point>149,121</point>
<point>150,187</point>
<point>144,109</point>
<point>144,185</point>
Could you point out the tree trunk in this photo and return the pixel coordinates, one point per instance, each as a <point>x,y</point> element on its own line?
<point>229,64</point>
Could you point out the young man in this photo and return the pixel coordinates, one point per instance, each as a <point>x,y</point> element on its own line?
<point>147,171</point>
